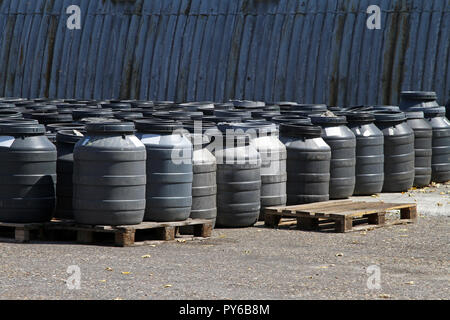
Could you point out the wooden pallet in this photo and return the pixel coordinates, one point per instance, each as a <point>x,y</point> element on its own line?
<point>342,214</point>
<point>21,232</point>
<point>125,236</point>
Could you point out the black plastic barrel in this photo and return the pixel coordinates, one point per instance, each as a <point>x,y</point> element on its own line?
<point>27,173</point>
<point>109,176</point>
<point>369,172</point>
<point>423,144</point>
<point>65,144</point>
<point>440,161</point>
<point>308,163</point>
<point>238,181</point>
<point>398,150</point>
<point>204,185</point>
<point>169,170</point>
<point>342,142</point>
<point>415,99</point>
<point>264,138</point>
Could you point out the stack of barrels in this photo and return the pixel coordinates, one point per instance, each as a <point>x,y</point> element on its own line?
<point>121,162</point>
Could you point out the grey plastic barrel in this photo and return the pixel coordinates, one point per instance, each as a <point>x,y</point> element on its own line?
<point>238,181</point>
<point>440,161</point>
<point>308,163</point>
<point>423,144</point>
<point>342,142</point>
<point>398,150</point>
<point>264,137</point>
<point>27,173</point>
<point>169,170</point>
<point>109,176</point>
<point>204,185</point>
<point>65,144</point>
<point>369,171</point>
<point>417,99</point>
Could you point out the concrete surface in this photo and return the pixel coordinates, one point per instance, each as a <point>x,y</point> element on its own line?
<point>433,200</point>
<point>251,263</point>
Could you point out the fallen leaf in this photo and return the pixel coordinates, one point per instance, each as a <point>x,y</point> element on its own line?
<point>118,299</point>
<point>146,256</point>
<point>168,286</point>
<point>109,269</point>
<point>126,272</point>
<point>384,296</point>
<point>101,280</point>
<point>410,282</point>
<point>339,254</point>
<point>181,240</point>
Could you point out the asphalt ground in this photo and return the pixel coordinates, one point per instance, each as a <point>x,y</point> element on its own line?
<point>410,261</point>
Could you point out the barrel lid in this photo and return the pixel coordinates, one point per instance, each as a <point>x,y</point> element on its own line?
<point>18,120</point>
<point>12,100</point>
<point>88,112</point>
<point>302,113</point>
<point>7,105</point>
<point>164,103</point>
<point>414,115</point>
<point>128,115</point>
<point>223,106</point>
<point>286,103</point>
<point>434,112</point>
<point>327,120</point>
<point>385,108</point>
<point>157,126</point>
<point>110,127</point>
<point>260,128</point>
<point>365,117</point>
<point>292,119</point>
<point>201,126</point>
<point>300,130</point>
<point>69,136</point>
<point>117,105</point>
<point>96,120</point>
<point>54,127</point>
<point>41,107</point>
<point>219,119</point>
<point>266,114</point>
<point>55,116</point>
<point>233,112</point>
<point>9,113</point>
<point>143,104</point>
<point>310,107</point>
<point>195,105</point>
<point>247,104</point>
<point>27,128</point>
<point>419,95</point>
<point>389,116</point>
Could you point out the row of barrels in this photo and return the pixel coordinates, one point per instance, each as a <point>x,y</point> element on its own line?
<point>122,162</point>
